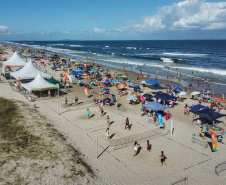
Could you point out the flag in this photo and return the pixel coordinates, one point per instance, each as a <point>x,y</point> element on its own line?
<point>85,90</point>
<point>214,141</point>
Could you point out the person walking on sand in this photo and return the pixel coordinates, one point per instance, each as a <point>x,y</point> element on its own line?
<point>76,100</point>
<point>88,113</point>
<point>127,124</point>
<point>148,146</point>
<point>65,100</point>
<point>108,118</point>
<point>101,111</point>
<point>107,134</point>
<point>135,147</point>
<point>162,158</point>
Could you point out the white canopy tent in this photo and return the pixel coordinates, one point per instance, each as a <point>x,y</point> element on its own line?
<point>38,84</point>
<point>28,72</point>
<point>15,61</point>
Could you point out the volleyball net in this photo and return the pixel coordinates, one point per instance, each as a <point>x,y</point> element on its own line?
<point>143,136</point>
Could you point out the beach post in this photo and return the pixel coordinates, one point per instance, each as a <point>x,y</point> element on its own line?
<point>97,147</point>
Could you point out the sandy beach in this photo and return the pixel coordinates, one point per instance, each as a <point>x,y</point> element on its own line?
<point>119,166</point>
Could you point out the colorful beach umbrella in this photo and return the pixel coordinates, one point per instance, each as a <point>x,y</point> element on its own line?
<point>105,86</point>
<point>124,76</point>
<point>104,79</point>
<point>119,75</point>
<point>134,94</point>
<point>215,129</point>
<point>121,85</point>
<point>107,82</point>
<point>141,76</point>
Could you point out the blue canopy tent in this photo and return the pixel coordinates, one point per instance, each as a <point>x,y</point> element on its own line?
<point>156,87</point>
<point>198,107</point>
<point>165,97</point>
<point>148,96</point>
<point>155,106</point>
<point>209,114</point>
<point>153,81</point>
<point>107,100</point>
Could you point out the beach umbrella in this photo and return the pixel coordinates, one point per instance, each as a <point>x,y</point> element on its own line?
<point>220,100</point>
<point>136,87</point>
<point>119,75</point>
<point>124,76</point>
<point>168,85</point>
<point>121,85</point>
<point>134,94</point>
<point>88,76</point>
<point>98,75</point>
<point>195,92</point>
<point>105,86</point>
<point>215,129</point>
<point>141,76</point>
<point>132,98</point>
<point>105,90</point>
<point>182,93</point>
<point>107,100</point>
<point>107,82</point>
<point>93,69</point>
<point>177,88</point>
<point>86,85</point>
<point>148,96</point>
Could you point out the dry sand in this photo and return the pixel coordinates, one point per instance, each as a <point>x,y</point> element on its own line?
<point>184,158</point>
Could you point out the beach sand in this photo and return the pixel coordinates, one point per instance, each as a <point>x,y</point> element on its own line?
<point>184,158</point>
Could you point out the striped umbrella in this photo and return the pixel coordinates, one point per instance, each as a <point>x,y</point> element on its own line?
<point>215,129</point>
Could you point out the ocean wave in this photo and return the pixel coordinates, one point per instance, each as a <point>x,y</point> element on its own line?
<point>167,60</point>
<point>203,70</point>
<point>185,54</point>
<point>76,45</point>
<point>106,46</point>
<point>59,44</point>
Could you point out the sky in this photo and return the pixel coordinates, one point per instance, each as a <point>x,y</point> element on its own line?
<point>112,20</point>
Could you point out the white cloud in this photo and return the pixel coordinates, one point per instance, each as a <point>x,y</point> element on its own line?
<point>98,30</point>
<point>3,28</point>
<point>185,15</point>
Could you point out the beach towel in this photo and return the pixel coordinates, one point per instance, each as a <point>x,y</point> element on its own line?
<point>160,121</point>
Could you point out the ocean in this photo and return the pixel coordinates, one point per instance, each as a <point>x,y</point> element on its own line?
<point>196,60</point>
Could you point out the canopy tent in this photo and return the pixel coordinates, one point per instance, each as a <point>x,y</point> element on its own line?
<point>153,81</point>
<point>156,87</point>
<point>155,106</point>
<point>15,60</point>
<point>38,84</point>
<point>165,97</point>
<point>209,114</point>
<point>28,72</point>
<point>198,107</point>
<point>148,96</point>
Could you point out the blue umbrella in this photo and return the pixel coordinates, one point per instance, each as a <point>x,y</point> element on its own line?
<point>168,85</point>
<point>86,85</point>
<point>177,88</point>
<point>59,66</point>
<point>107,82</point>
<point>136,87</point>
<point>105,90</point>
<point>153,81</point>
<point>107,99</point>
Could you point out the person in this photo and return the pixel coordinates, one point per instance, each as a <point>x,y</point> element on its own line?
<point>223,96</point>
<point>167,115</point>
<point>186,109</point>
<point>142,111</point>
<point>108,124</point>
<point>108,118</point>
<point>49,94</point>
<point>88,113</point>
<point>148,146</point>
<point>198,122</point>
<point>201,126</point>
<point>65,100</point>
<point>30,98</point>
<point>171,103</point>
<point>101,111</point>
<point>76,100</point>
<point>127,123</point>
<point>107,133</point>
<point>162,158</point>
<point>135,147</point>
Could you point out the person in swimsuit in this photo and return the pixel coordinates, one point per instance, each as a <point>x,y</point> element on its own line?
<point>101,111</point>
<point>107,133</point>
<point>65,100</point>
<point>127,124</point>
<point>108,118</point>
<point>162,158</point>
<point>148,146</point>
<point>76,100</point>
<point>135,147</point>
<point>88,113</point>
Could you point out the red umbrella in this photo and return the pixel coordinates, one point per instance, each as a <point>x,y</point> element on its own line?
<point>105,86</point>
<point>141,76</point>
<point>126,74</point>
